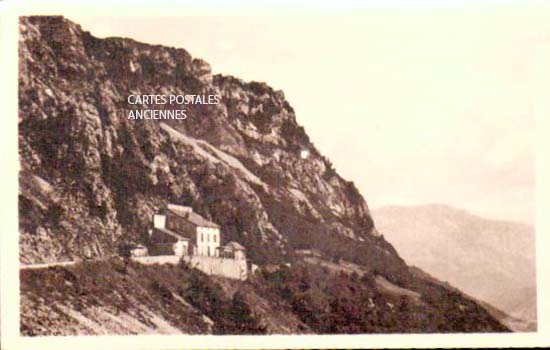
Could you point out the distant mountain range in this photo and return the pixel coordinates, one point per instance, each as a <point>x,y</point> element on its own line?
<point>491,260</point>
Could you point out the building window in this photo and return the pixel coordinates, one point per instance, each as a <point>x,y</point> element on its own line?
<point>214,238</point>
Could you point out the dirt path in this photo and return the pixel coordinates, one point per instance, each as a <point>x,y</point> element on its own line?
<point>394,289</point>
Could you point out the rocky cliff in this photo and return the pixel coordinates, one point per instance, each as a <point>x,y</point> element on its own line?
<point>91,178</point>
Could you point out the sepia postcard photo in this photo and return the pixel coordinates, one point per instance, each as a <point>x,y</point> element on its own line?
<point>275,170</point>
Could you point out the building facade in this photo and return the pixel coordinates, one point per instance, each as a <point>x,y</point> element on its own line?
<point>203,234</point>
<point>178,231</point>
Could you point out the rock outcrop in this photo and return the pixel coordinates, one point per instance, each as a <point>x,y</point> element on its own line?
<point>91,179</point>
<point>237,162</point>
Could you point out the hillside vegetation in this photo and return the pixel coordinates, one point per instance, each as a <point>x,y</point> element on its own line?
<point>91,180</point>
<point>124,297</point>
<point>491,260</point>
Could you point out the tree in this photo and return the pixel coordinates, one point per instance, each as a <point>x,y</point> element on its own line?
<point>243,320</point>
<point>125,251</point>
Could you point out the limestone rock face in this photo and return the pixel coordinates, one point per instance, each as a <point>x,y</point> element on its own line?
<point>91,180</point>
<point>237,162</point>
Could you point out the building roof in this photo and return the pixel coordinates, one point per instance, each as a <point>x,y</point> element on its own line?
<point>172,233</point>
<point>235,246</point>
<point>193,218</point>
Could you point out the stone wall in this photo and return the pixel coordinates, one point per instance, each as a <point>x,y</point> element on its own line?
<point>160,259</point>
<point>229,268</point>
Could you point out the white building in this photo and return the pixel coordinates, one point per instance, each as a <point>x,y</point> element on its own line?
<point>180,231</point>
<point>138,251</point>
<point>185,231</point>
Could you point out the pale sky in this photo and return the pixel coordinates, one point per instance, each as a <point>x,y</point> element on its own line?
<point>415,105</point>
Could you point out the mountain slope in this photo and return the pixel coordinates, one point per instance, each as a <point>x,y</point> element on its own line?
<point>122,297</point>
<point>91,178</point>
<point>491,260</point>
<point>112,296</point>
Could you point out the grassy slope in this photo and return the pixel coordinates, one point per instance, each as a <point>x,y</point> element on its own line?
<point>116,297</point>
<point>330,302</point>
